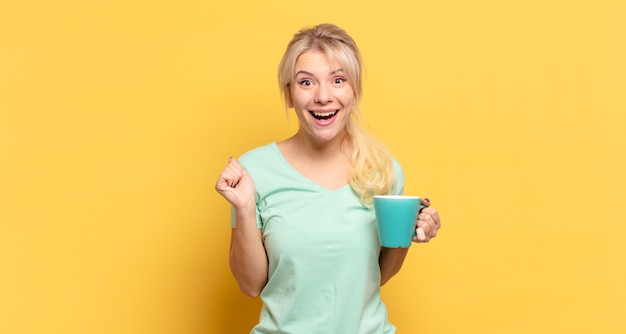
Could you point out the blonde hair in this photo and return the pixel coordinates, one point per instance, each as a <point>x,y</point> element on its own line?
<point>372,171</point>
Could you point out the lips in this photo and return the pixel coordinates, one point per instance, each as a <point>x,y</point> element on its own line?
<point>324,115</point>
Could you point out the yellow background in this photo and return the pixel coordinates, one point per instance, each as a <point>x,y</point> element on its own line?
<point>116,118</point>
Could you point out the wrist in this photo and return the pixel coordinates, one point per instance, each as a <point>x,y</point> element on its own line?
<point>246,211</point>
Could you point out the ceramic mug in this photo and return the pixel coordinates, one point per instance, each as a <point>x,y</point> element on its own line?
<point>396,216</point>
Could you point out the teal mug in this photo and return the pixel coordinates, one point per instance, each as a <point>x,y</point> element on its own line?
<point>395,219</point>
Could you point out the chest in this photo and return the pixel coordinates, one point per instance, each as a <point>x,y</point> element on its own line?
<point>324,224</point>
<point>328,176</point>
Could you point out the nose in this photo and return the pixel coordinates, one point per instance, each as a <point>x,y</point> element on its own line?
<point>323,95</point>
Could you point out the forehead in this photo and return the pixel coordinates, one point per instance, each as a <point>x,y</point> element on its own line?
<point>316,61</point>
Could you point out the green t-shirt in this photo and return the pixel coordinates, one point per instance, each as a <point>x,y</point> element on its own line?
<point>323,249</point>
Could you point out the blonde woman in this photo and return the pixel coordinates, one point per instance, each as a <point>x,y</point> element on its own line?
<point>303,229</point>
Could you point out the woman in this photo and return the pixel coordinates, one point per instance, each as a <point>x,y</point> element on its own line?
<point>303,229</point>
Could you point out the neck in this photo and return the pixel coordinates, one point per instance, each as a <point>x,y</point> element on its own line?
<point>337,147</point>
<point>327,164</point>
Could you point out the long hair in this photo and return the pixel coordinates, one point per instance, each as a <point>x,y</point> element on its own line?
<point>371,171</point>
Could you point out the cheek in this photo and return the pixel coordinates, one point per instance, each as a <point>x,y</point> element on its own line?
<point>299,99</point>
<point>350,101</point>
<point>298,104</point>
<point>349,97</point>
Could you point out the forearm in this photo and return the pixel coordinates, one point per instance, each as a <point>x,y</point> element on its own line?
<point>247,259</point>
<point>390,261</point>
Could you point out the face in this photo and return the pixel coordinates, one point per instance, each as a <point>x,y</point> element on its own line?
<point>322,97</point>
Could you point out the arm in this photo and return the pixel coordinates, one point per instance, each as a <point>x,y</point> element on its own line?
<point>247,257</point>
<point>426,226</point>
<point>390,261</point>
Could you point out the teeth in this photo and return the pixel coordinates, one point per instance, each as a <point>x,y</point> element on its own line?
<point>325,114</point>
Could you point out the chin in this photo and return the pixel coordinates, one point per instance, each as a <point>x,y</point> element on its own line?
<point>326,136</point>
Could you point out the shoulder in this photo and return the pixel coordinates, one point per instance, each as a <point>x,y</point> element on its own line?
<point>397,168</point>
<point>398,174</point>
<point>258,154</point>
<point>261,161</point>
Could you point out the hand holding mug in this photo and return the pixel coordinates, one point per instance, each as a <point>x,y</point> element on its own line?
<point>428,223</point>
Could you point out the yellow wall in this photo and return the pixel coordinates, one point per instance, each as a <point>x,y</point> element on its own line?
<point>117,116</point>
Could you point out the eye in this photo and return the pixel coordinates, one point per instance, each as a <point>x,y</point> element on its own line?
<point>339,81</point>
<point>305,82</point>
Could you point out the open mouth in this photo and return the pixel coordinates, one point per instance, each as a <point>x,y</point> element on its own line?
<point>324,115</point>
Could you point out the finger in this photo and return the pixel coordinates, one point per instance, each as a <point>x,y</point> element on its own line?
<point>429,227</point>
<point>420,235</point>
<point>433,213</point>
<point>235,172</point>
<point>230,181</point>
<point>432,230</point>
<point>426,226</point>
<point>234,180</point>
<point>225,181</point>
<point>232,162</point>
<point>425,202</point>
<point>230,176</point>
<point>426,217</point>
<point>227,177</point>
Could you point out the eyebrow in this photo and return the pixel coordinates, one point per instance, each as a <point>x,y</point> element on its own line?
<point>311,74</point>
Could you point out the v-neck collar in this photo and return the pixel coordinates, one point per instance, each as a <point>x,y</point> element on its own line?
<point>301,176</point>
